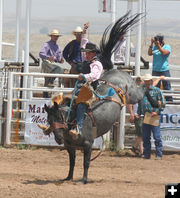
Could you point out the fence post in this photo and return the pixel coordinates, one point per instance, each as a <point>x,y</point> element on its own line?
<point>120,143</point>
<point>1,121</point>
<point>9,108</point>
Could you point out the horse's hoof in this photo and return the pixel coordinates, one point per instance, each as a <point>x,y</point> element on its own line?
<point>84,181</point>
<point>46,129</point>
<point>43,127</point>
<point>67,179</point>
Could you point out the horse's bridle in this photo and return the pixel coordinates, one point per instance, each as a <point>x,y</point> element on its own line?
<point>58,125</point>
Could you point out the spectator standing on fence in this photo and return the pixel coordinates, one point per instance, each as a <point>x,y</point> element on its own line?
<point>51,56</point>
<point>152,105</point>
<point>161,52</point>
<point>72,51</point>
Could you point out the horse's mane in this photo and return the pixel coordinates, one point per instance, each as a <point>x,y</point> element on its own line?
<point>108,41</point>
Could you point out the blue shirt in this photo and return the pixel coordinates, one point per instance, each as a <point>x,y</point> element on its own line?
<point>76,53</point>
<point>160,62</point>
<point>145,106</point>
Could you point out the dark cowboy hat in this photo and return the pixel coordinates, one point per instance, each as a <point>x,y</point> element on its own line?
<point>90,47</point>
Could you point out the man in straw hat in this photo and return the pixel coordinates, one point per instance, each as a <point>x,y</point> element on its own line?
<point>152,105</point>
<point>137,117</point>
<point>72,53</point>
<point>51,56</point>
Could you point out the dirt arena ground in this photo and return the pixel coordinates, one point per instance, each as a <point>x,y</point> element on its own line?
<point>36,174</point>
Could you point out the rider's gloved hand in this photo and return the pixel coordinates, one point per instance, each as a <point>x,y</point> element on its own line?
<point>81,77</point>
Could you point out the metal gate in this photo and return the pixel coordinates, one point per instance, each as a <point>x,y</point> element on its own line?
<point>17,98</point>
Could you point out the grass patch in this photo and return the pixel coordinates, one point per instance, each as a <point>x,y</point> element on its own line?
<point>25,147</point>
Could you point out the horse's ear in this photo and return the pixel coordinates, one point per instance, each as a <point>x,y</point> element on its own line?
<point>56,105</point>
<point>46,108</point>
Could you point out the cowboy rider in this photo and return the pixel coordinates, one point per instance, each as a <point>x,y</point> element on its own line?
<point>91,71</point>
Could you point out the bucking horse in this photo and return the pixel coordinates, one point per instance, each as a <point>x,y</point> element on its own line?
<point>104,112</point>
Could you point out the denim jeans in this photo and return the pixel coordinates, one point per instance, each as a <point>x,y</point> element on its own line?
<point>80,111</point>
<point>146,129</point>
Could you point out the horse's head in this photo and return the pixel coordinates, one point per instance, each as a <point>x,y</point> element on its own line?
<point>56,119</point>
<point>54,114</point>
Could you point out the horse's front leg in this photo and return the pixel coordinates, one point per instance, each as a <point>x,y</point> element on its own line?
<point>72,157</point>
<point>87,157</point>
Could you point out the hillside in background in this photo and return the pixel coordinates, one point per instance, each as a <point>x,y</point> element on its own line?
<point>170,28</point>
<point>36,41</point>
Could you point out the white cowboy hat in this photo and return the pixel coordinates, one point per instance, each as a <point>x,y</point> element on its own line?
<point>54,33</point>
<point>147,77</point>
<point>78,29</point>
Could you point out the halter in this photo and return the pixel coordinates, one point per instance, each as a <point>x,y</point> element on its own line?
<point>58,125</point>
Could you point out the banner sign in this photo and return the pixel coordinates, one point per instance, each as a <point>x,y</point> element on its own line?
<point>170,128</point>
<point>36,114</point>
<point>104,6</point>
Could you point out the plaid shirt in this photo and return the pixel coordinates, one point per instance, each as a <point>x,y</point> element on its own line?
<point>145,106</point>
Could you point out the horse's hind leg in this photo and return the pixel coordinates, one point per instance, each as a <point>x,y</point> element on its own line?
<point>87,156</point>
<point>72,156</point>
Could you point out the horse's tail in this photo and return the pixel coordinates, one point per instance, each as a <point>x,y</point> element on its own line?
<point>107,43</point>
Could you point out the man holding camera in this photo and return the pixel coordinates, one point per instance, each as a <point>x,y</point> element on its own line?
<point>161,53</point>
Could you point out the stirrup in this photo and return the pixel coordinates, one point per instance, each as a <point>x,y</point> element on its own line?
<point>78,130</point>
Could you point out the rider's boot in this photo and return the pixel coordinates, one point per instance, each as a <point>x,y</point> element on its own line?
<point>75,132</point>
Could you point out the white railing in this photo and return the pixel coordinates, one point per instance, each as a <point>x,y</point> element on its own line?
<point>12,90</point>
<point>13,96</point>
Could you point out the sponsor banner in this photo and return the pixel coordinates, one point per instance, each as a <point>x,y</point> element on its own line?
<point>36,114</point>
<point>104,6</point>
<point>170,128</point>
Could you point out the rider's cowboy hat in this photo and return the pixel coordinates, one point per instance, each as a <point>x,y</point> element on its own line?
<point>54,33</point>
<point>147,77</point>
<point>90,47</point>
<point>78,29</point>
<point>58,98</point>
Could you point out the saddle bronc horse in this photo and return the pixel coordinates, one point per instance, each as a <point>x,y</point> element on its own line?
<point>105,112</point>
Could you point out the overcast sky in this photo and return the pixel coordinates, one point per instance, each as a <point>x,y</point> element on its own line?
<point>156,9</point>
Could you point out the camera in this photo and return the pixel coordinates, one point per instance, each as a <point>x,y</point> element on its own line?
<point>156,38</point>
<point>159,38</point>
